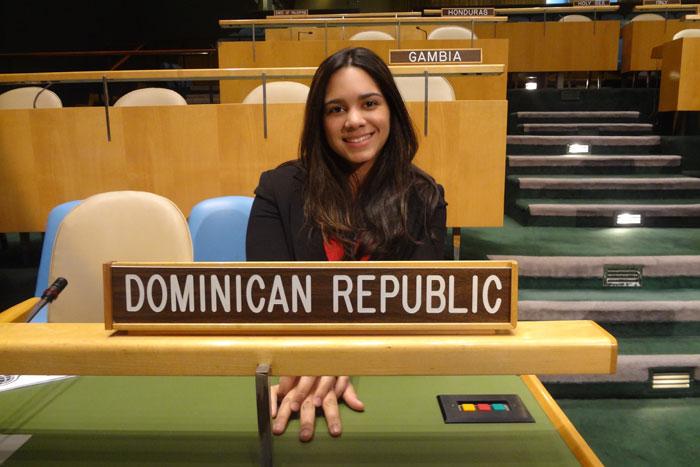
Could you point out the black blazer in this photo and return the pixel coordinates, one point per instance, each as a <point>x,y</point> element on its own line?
<point>276,226</point>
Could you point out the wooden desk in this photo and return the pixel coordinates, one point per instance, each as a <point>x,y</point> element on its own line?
<point>190,153</point>
<point>558,47</point>
<point>195,421</point>
<point>640,37</point>
<point>542,10</point>
<point>680,75</point>
<point>312,53</point>
<point>664,8</point>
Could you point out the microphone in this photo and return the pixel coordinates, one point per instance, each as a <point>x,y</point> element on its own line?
<point>424,32</point>
<point>48,296</point>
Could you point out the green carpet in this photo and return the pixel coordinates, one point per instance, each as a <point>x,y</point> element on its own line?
<point>639,432</point>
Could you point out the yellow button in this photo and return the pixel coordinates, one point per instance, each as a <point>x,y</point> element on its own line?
<point>468,407</point>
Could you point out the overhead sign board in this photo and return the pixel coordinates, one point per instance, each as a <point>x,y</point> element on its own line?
<point>434,56</point>
<point>332,298</point>
<point>291,12</point>
<point>590,2</point>
<point>466,11</point>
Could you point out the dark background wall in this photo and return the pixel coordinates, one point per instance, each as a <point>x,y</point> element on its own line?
<point>30,26</point>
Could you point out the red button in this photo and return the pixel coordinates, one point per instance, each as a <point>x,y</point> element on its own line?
<point>483,407</point>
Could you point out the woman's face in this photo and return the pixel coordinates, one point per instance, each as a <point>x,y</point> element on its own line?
<point>356,118</point>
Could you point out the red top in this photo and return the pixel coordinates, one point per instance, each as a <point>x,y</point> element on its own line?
<point>334,250</point>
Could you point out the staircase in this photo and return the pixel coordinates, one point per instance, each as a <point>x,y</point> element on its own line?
<point>642,283</point>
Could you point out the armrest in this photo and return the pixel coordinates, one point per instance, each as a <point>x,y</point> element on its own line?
<point>19,312</point>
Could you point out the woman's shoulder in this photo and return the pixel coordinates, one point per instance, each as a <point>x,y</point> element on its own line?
<point>426,186</point>
<point>287,176</point>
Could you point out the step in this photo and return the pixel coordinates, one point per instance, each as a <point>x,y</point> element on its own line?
<point>585,128</point>
<point>635,367</point>
<point>591,164</point>
<point>559,144</point>
<point>515,239</point>
<point>527,186</point>
<point>584,114</point>
<point>604,214</point>
<point>593,140</point>
<point>579,115</point>
<point>593,266</point>
<point>608,311</point>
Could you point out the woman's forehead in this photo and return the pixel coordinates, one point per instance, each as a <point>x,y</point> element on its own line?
<point>351,82</point>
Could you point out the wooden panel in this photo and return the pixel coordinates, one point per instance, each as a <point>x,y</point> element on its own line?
<point>190,153</point>
<point>544,347</point>
<point>555,46</point>
<point>640,37</point>
<point>312,53</point>
<point>680,76</point>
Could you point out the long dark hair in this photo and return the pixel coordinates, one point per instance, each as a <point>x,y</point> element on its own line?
<point>375,221</point>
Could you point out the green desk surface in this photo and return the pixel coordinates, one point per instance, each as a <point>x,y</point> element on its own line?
<point>212,421</point>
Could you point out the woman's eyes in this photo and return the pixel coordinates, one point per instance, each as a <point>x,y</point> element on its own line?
<point>368,104</point>
<point>334,109</point>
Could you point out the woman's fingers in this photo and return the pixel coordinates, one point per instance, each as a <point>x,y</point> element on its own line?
<point>273,400</point>
<point>282,417</point>
<point>286,384</point>
<point>325,384</point>
<point>307,420</point>
<point>301,391</point>
<point>332,414</point>
<point>351,399</point>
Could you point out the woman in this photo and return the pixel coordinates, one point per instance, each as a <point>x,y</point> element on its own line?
<point>352,195</point>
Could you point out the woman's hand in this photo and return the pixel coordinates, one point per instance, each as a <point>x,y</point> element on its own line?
<point>306,393</point>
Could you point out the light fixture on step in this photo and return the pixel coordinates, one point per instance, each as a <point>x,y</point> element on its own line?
<point>531,83</point>
<point>628,219</point>
<point>576,148</point>
<point>670,378</point>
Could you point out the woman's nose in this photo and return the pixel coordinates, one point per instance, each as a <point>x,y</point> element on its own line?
<point>354,118</point>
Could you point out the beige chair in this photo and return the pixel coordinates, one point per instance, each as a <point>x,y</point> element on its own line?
<point>23,98</point>
<point>150,97</point>
<point>278,92</point>
<point>372,36</point>
<point>451,32</point>
<point>574,19</point>
<point>412,88</point>
<point>686,33</point>
<point>648,17</point>
<point>114,226</point>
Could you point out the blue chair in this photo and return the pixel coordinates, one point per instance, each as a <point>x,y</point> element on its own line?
<point>42,280</point>
<point>218,228</point>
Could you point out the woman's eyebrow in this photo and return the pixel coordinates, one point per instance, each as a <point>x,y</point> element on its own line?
<point>361,97</point>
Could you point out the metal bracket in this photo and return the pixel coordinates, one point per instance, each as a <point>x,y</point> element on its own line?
<point>425,105</point>
<point>105,92</point>
<point>262,397</point>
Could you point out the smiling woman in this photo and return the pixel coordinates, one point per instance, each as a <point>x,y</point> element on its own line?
<point>354,194</point>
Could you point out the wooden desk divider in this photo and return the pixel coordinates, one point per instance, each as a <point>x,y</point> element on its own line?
<point>336,298</point>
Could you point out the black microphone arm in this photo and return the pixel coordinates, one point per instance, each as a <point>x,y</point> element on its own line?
<point>423,31</point>
<point>48,296</point>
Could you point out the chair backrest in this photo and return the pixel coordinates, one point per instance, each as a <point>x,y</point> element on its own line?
<point>451,32</point>
<point>150,97</point>
<point>42,279</point>
<point>574,19</point>
<point>372,36</point>
<point>218,227</point>
<point>23,98</point>
<point>686,33</point>
<point>648,17</point>
<point>412,88</point>
<point>278,92</point>
<point>114,226</point>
